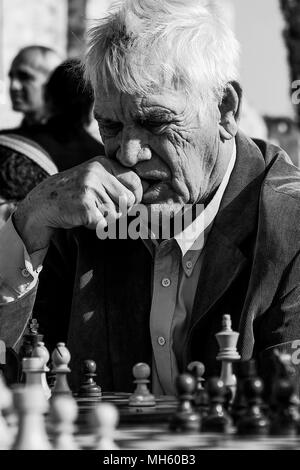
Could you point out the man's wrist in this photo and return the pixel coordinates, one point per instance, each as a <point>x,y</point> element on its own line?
<point>34,236</point>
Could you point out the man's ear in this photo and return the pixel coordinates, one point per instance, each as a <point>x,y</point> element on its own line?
<point>229,111</point>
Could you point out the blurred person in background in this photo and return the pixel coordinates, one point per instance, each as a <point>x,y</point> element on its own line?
<point>23,165</point>
<point>69,102</point>
<point>28,75</point>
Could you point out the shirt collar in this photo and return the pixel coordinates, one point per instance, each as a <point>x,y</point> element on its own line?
<point>191,240</point>
<point>193,237</point>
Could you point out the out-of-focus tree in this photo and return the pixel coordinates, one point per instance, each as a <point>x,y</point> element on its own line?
<point>76,27</point>
<point>291,13</point>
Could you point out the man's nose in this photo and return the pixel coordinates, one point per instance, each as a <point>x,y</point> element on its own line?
<point>133,147</point>
<point>15,84</point>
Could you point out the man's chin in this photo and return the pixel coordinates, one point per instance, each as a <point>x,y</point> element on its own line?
<point>160,211</point>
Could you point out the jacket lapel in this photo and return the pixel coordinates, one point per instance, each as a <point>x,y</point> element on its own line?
<point>228,246</point>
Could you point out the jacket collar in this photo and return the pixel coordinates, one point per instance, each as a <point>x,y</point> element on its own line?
<point>228,246</point>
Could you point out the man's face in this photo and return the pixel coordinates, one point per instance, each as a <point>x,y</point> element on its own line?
<point>27,80</point>
<point>171,146</point>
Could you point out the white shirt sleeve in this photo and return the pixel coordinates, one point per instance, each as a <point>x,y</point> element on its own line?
<point>19,272</point>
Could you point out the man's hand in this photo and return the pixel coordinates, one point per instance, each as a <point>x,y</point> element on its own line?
<point>77,197</point>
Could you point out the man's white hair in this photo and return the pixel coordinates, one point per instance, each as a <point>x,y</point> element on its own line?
<point>144,44</point>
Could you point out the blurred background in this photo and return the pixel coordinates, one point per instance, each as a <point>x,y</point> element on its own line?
<point>268,31</point>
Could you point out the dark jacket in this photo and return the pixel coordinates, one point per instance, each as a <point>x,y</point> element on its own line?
<point>67,144</point>
<point>96,295</point>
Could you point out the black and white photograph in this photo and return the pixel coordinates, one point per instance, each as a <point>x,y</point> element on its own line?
<point>149,228</point>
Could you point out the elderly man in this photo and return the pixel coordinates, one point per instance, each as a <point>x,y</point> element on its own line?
<point>167,104</point>
<point>28,75</point>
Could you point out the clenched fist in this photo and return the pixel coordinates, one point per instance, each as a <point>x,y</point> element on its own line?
<point>81,196</point>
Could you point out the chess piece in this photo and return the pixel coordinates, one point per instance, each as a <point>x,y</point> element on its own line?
<point>141,396</point>
<point>60,360</point>
<point>31,405</point>
<point>104,420</point>
<point>217,419</point>
<point>197,369</point>
<point>253,421</point>
<point>244,370</point>
<point>285,416</point>
<point>185,418</point>
<point>200,400</point>
<point>51,376</point>
<point>63,413</point>
<point>5,404</point>
<point>88,387</point>
<point>33,369</point>
<point>30,339</point>
<point>42,352</point>
<point>227,340</point>
<point>283,369</point>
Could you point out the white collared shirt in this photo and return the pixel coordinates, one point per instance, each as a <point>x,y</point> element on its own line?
<point>188,237</point>
<point>176,270</point>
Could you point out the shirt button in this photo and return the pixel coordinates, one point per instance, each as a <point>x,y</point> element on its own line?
<point>161,340</point>
<point>189,264</point>
<point>25,273</point>
<point>166,282</point>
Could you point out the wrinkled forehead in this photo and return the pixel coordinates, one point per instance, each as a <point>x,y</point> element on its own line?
<point>113,104</point>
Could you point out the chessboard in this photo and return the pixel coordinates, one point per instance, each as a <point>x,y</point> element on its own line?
<point>160,438</point>
<point>164,407</point>
<point>148,430</point>
<point>228,412</point>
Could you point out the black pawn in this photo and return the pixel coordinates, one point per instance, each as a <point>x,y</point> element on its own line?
<point>88,387</point>
<point>200,401</point>
<point>30,339</point>
<point>185,419</point>
<point>253,421</point>
<point>285,417</point>
<point>217,419</point>
<point>243,371</point>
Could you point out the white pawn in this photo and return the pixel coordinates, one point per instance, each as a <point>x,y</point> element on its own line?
<point>5,404</point>
<point>60,359</point>
<point>227,340</point>
<point>141,396</point>
<point>63,413</point>
<point>104,420</point>
<point>42,352</point>
<point>31,406</point>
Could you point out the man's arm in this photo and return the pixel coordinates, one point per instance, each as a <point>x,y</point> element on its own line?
<point>18,270</point>
<point>26,288</point>
<point>74,198</point>
<point>18,281</point>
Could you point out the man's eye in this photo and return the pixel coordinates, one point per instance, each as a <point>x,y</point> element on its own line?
<point>155,125</point>
<point>110,129</point>
<point>25,77</point>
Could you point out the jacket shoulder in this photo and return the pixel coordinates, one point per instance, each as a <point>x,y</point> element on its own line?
<point>283,180</point>
<point>280,203</point>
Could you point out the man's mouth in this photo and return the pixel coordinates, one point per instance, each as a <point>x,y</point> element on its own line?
<point>17,99</point>
<point>155,182</point>
<point>154,191</point>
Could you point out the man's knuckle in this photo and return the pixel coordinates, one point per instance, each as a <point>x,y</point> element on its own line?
<point>135,180</point>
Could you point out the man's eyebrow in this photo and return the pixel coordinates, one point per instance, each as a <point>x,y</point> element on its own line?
<point>155,113</point>
<point>100,118</point>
